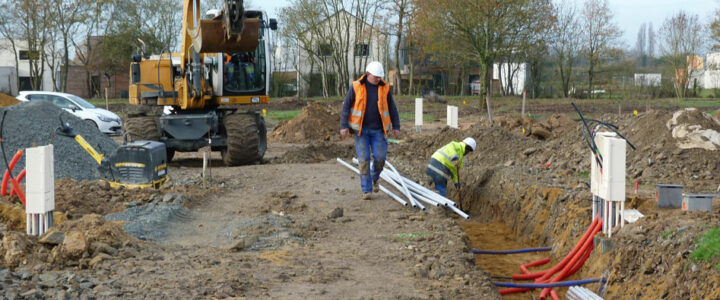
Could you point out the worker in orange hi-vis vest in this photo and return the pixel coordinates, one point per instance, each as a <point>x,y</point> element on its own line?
<point>369,112</point>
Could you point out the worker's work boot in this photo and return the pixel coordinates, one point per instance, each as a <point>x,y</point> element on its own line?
<point>376,187</point>
<point>367,196</point>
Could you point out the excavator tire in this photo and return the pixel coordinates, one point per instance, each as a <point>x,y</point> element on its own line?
<point>142,128</point>
<point>246,139</point>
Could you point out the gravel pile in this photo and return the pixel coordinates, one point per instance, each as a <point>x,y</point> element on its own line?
<point>31,124</point>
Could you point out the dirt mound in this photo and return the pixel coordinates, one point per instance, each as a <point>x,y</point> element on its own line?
<point>694,129</point>
<point>77,199</point>
<point>553,127</point>
<point>315,122</point>
<point>82,243</point>
<point>315,153</point>
<point>30,124</point>
<point>7,100</point>
<point>652,258</point>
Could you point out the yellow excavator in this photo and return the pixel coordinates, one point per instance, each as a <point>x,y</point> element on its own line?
<point>193,99</point>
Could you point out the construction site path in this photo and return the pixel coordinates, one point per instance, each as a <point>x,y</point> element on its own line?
<point>301,231</point>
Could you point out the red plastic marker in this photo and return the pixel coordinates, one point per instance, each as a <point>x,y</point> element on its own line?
<point>636,186</point>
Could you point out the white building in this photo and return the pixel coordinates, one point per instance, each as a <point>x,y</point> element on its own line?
<point>7,59</point>
<point>707,76</point>
<point>648,79</point>
<point>363,42</point>
<point>511,75</point>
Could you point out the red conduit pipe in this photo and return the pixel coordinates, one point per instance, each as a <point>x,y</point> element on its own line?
<point>554,295</point>
<point>577,267</point>
<point>564,273</point>
<point>524,268</point>
<point>19,178</point>
<point>575,251</point>
<point>544,275</point>
<point>581,262</point>
<point>561,264</point>
<point>9,167</point>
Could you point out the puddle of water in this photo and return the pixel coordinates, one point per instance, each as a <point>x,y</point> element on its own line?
<point>498,236</point>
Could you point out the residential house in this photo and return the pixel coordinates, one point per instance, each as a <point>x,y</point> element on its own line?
<point>705,75</point>
<point>85,78</point>
<point>366,44</point>
<point>21,82</point>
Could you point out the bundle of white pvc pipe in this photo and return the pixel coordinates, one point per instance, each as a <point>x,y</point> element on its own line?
<point>414,192</point>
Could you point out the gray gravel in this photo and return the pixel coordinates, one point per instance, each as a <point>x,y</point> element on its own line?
<point>153,220</point>
<point>31,124</point>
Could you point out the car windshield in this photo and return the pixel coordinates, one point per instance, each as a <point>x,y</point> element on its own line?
<point>80,101</point>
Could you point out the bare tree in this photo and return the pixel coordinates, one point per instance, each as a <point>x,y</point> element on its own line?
<point>650,41</point>
<point>69,16</point>
<point>714,29</point>
<point>600,32</point>
<point>400,8</point>
<point>10,31</point>
<point>565,45</point>
<point>484,30</point>
<point>682,37</point>
<point>35,23</point>
<point>641,44</point>
<point>330,33</point>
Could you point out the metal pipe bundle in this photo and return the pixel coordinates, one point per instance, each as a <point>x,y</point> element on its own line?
<point>413,191</point>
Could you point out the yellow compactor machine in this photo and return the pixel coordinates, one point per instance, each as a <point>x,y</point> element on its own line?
<point>194,98</point>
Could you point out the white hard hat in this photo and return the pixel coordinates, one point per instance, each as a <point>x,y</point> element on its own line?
<point>375,68</point>
<point>470,142</point>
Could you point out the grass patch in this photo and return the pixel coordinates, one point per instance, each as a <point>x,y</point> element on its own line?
<point>101,102</point>
<point>406,237</point>
<point>281,115</point>
<point>666,234</point>
<point>411,117</point>
<point>584,174</point>
<point>708,248</point>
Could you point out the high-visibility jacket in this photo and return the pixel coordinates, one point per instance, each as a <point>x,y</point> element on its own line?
<point>357,112</point>
<point>451,156</point>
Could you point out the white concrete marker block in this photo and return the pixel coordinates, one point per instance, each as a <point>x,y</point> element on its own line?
<point>40,180</point>
<point>452,116</point>
<point>418,114</point>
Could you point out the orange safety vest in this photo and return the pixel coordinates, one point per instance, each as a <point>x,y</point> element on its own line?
<point>357,112</point>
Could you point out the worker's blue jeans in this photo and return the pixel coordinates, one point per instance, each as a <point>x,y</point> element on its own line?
<point>440,182</point>
<point>370,141</point>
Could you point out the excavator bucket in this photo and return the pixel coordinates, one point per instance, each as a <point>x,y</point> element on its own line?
<point>210,37</point>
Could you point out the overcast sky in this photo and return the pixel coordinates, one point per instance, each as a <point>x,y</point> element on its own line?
<point>629,14</point>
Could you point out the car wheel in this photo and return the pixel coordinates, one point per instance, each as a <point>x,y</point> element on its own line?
<point>91,122</point>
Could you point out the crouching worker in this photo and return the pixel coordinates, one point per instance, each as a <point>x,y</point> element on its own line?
<point>446,163</point>
<point>369,112</point>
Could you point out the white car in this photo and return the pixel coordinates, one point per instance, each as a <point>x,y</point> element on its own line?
<point>104,120</point>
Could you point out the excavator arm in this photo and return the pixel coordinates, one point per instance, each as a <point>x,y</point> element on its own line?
<point>229,32</point>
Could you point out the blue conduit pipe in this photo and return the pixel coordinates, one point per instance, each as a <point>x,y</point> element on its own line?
<point>546,285</point>
<point>512,251</point>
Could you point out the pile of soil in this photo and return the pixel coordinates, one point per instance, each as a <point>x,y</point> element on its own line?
<point>555,126</point>
<point>315,153</point>
<point>315,122</point>
<point>7,100</point>
<point>31,124</point>
<point>81,243</point>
